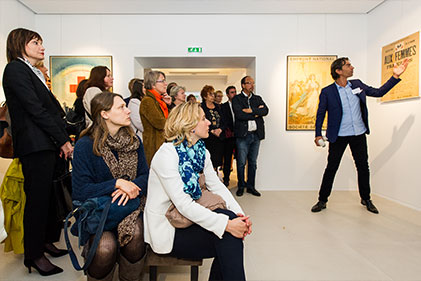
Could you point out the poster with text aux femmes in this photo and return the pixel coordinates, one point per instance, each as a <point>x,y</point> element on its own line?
<point>396,52</point>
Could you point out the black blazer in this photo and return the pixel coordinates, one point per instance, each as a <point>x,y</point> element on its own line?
<point>228,120</point>
<point>36,115</point>
<point>259,109</point>
<point>330,101</point>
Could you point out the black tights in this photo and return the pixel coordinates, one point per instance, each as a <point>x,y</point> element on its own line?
<point>108,248</point>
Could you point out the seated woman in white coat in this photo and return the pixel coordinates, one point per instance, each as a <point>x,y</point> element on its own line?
<point>174,173</point>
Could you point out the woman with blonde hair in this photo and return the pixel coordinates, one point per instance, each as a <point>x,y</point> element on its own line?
<point>109,161</point>
<point>174,174</point>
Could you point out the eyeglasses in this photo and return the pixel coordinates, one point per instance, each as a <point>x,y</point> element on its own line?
<point>250,83</point>
<point>161,81</point>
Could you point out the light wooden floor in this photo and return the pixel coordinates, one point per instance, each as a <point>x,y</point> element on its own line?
<point>343,242</point>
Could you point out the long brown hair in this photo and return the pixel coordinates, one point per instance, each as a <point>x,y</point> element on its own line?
<point>17,40</point>
<point>96,77</point>
<point>98,130</point>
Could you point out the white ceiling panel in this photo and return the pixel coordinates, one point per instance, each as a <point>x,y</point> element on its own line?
<point>201,6</point>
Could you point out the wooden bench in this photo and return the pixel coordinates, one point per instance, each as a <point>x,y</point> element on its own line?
<point>153,260</point>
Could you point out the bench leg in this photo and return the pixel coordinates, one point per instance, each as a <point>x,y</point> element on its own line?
<point>153,273</point>
<point>194,273</point>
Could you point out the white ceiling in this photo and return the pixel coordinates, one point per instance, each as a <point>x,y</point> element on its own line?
<point>201,6</point>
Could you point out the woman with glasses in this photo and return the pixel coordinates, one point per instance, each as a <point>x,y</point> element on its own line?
<point>154,112</point>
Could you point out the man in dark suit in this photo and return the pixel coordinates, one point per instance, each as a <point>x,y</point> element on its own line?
<point>347,124</point>
<point>249,130</point>
<point>227,134</point>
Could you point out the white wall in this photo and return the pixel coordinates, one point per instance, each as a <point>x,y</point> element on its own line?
<point>396,126</point>
<point>287,160</point>
<point>12,15</point>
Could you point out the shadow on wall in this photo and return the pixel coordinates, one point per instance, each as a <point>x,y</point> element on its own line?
<point>398,136</point>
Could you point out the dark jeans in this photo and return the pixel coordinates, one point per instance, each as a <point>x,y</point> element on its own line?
<point>229,146</point>
<point>195,242</point>
<point>358,145</point>
<point>247,150</point>
<point>39,221</point>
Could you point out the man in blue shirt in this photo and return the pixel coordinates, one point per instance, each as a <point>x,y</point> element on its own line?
<point>345,102</point>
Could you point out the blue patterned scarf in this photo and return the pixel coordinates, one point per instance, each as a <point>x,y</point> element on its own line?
<point>190,164</point>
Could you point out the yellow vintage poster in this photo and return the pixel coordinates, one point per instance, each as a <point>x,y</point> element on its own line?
<point>396,52</point>
<point>306,76</point>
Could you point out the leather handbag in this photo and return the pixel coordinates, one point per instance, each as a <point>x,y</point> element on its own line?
<point>62,195</point>
<point>208,200</point>
<point>93,217</point>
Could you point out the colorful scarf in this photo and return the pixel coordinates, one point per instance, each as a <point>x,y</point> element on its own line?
<point>123,167</point>
<point>162,104</point>
<point>191,163</point>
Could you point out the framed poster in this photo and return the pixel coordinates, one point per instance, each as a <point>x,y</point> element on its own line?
<point>306,76</point>
<point>67,71</point>
<point>396,52</point>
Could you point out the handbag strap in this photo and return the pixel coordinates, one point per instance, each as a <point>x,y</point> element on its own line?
<point>95,243</point>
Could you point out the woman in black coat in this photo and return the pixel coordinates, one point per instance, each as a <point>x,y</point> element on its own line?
<point>39,138</point>
<point>213,113</point>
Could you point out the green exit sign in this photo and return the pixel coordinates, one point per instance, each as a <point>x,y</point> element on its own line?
<point>194,49</point>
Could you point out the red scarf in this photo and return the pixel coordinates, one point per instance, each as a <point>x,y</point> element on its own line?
<point>162,104</point>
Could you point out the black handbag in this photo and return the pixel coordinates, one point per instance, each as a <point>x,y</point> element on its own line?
<point>74,122</point>
<point>61,194</point>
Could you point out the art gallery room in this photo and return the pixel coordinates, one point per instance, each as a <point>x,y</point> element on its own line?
<point>217,43</point>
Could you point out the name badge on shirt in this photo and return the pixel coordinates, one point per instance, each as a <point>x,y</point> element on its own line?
<point>356,91</point>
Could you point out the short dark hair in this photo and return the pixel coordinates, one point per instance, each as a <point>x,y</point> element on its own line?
<point>229,88</point>
<point>337,65</point>
<point>17,40</point>
<point>136,88</point>
<point>169,86</point>
<point>243,80</point>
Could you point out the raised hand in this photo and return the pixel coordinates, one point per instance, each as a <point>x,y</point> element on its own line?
<point>398,70</point>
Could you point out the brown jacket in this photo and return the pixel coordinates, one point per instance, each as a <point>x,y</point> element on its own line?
<point>153,120</point>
